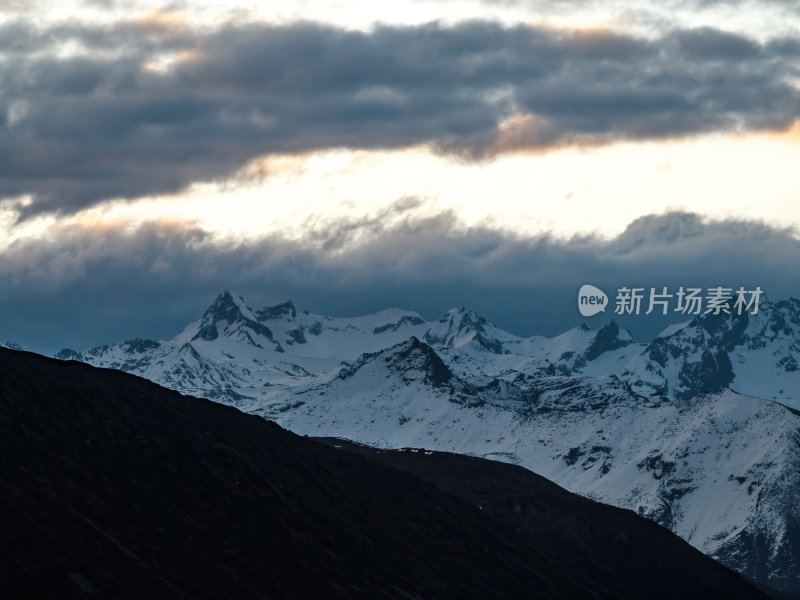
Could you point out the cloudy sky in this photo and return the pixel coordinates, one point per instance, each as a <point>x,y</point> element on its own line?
<point>354,155</point>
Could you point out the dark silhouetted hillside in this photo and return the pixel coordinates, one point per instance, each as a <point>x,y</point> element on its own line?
<point>113,487</point>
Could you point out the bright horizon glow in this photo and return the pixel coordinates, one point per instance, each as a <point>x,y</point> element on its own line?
<point>564,193</point>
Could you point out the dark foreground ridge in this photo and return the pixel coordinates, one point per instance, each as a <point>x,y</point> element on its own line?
<point>113,487</point>
<point>616,547</point>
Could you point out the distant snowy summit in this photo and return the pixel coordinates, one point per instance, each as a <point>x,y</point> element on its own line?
<point>233,351</point>
<point>752,354</point>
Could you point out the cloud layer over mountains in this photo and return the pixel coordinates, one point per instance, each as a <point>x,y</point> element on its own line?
<point>89,286</point>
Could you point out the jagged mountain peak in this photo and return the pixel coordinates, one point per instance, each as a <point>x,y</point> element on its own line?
<point>414,347</point>
<point>732,318</point>
<point>686,362</point>
<point>139,345</point>
<point>610,329</point>
<point>413,356</point>
<point>230,317</point>
<point>394,319</point>
<point>756,354</point>
<point>577,350</point>
<point>608,337</point>
<point>228,304</point>
<point>461,326</point>
<point>410,348</point>
<point>462,314</point>
<point>285,310</point>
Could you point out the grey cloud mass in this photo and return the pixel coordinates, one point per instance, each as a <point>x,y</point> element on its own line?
<point>85,287</point>
<point>104,124</point>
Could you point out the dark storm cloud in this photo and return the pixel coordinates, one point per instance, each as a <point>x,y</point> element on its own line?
<point>80,130</point>
<point>84,287</point>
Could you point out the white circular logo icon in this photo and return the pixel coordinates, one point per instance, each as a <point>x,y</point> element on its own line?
<point>591,300</point>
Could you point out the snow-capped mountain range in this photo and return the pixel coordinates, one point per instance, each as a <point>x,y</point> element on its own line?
<point>696,429</point>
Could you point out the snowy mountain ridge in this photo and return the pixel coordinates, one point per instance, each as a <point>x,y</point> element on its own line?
<point>683,430</point>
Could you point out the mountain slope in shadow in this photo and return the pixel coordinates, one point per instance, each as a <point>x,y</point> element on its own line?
<point>615,547</point>
<point>113,487</point>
